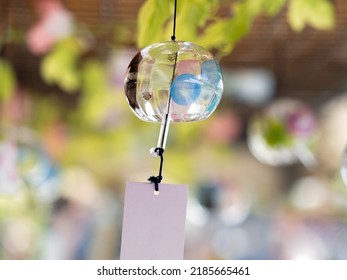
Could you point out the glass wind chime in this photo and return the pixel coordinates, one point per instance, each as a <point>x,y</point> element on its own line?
<point>172,81</point>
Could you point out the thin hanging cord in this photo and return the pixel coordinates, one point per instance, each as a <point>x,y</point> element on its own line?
<point>173,37</point>
<point>159,151</point>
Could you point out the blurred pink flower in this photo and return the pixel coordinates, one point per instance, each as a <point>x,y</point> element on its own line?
<point>55,23</point>
<point>17,109</point>
<point>301,122</point>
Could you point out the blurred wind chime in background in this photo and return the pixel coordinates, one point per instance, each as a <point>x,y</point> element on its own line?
<point>24,165</point>
<point>171,81</point>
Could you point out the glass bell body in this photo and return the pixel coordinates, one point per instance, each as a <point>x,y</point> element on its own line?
<point>179,78</point>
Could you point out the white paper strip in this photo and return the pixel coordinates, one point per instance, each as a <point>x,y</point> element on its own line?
<point>154,225</point>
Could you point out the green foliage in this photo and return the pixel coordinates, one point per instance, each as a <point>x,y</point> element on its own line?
<point>60,65</point>
<point>316,13</point>
<point>191,16</point>
<point>97,97</point>
<point>198,20</point>
<point>155,19</point>
<point>7,80</point>
<point>272,8</point>
<point>152,17</point>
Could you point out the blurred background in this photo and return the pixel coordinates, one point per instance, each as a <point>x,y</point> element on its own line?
<point>267,171</point>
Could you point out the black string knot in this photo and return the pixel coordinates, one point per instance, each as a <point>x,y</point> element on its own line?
<point>156,180</point>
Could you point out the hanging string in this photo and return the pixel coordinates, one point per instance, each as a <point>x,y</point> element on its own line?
<point>156,180</point>
<point>159,151</point>
<point>173,37</point>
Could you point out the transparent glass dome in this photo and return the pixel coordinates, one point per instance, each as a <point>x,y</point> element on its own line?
<point>181,78</point>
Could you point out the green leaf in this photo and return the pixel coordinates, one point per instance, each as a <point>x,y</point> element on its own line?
<point>215,36</point>
<point>238,27</point>
<point>152,16</point>
<point>191,15</point>
<point>97,98</point>
<point>275,133</point>
<point>316,13</point>
<point>60,65</point>
<point>254,8</point>
<point>50,68</point>
<point>155,19</point>
<point>273,7</point>
<point>198,20</point>
<point>70,81</point>
<point>7,80</point>
<point>93,77</point>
